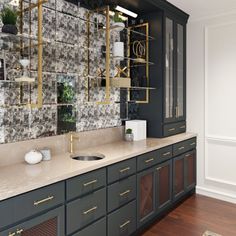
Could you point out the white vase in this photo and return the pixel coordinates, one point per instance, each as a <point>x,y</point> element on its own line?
<point>118,49</point>
<point>118,26</point>
<point>33,157</point>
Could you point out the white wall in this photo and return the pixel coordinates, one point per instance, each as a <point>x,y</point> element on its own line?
<point>211,102</point>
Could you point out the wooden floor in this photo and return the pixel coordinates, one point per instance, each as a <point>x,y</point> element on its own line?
<point>196,215</point>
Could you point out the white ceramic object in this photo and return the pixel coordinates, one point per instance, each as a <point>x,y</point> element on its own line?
<point>118,49</point>
<point>118,26</point>
<point>139,128</point>
<point>33,157</point>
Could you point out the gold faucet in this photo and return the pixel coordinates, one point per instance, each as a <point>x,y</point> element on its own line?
<point>73,135</point>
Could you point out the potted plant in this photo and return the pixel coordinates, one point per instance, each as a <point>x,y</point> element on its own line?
<point>118,24</point>
<point>9,19</point>
<point>129,135</point>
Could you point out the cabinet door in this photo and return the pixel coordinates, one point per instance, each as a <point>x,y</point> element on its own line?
<point>169,72</point>
<point>190,170</point>
<point>145,196</point>
<point>163,185</point>
<point>180,73</point>
<point>178,177</point>
<point>50,224</point>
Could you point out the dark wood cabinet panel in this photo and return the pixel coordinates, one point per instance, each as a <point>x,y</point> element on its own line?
<point>190,172</point>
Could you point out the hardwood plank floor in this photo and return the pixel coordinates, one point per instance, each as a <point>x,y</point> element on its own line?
<point>195,216</point>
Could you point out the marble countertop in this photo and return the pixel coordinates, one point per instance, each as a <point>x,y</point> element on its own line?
<point>21,178</point>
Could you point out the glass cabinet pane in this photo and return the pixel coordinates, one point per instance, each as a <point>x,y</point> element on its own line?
<point>169,75</point>
<point>180,71</point>
<point>146,195</point>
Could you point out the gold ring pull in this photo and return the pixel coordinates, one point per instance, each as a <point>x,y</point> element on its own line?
<point>125,193</point>
<point>90,210</point>
<point>166,154</point>
<point>192,144</point>
<point>19,231</point>
<point>124,170</point>
<point>91,182</point>
<point>126,223</point>
<point>12,234</point>
<point>36,203</point>
<point>149,160</point>
<point>181,148</point>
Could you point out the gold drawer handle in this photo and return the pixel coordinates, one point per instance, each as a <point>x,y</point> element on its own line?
<point>159,168</point>
<point>149,160</point>
<point>183,127</point>
<point>90,210</point>
<point>19,231</point>
<point>187,155</point>
<point>124,170</point>
<point>11,234</point>
<point>126,223</point>
<point>192,144</point>
<point>181,148</point>
<point>50,198</point>
<point>125,193</point>
<point>91,182</point>
<point>173,129</point>
<point>167,153</point>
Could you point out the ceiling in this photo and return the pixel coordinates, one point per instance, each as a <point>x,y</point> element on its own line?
<point>204,8</point>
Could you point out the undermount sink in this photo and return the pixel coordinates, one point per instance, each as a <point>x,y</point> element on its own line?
<point>88,157</point>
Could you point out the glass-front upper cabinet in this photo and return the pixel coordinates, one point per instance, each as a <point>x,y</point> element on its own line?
<point>180,76</point>
<point>169,69</point>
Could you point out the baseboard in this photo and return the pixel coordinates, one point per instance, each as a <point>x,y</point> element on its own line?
<point>216,194</point>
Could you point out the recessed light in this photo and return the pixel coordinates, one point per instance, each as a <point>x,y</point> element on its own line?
<point>126,11</point>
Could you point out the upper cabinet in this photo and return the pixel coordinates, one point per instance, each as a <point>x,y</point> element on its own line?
<point>166,112</point>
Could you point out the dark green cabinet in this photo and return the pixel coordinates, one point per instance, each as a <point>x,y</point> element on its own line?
<point>50,224</point>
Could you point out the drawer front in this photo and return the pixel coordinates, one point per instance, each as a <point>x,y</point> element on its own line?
<point>123,221</point>
<point>172,129</point>
<point>85,184</point>
<point>97,228</point>
<point>147,160</point>
<point>182,147</point>
<point>121,170</point>
<point>6,213</point>
<point>121,192</point>
<point>85,210</point>
<point>39,200</point>
<point>164,154</point>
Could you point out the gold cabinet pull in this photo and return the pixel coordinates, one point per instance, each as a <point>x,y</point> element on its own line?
<point>173,129</point>
<point>91,182</point>
<point>183,127</point>
<point>50,198</point>
<point>90,210</point>
<point>124,170</point>
<point>181,148</point>
<point>166,154</point>
<point>12,234</point>
<point>125,193</point>
<point>159,168</point>
<point>149,160</point>
<point>126,223</point>
<point>19,231</point>
<point>192,144</point>
<point>187,155</point>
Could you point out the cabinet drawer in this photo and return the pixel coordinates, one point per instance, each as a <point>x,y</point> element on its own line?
<point>85,210</point>
<point>121,193</point>
<point>164,154</point>
<point>176,128</point>
<point>147,160</point>
<point>184,146</point>
<point>121,170</point>
<point>123,221</point>
<point>85,184</point>
<point>97,228</point>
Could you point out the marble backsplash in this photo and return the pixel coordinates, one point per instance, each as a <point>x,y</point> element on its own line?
<point>63,27</point>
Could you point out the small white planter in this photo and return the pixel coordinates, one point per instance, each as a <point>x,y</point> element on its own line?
<point>33,157</point>
<point>118,49</point>
<point>118,26</point>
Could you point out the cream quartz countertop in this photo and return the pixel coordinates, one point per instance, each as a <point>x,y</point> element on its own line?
<point>21,178</point>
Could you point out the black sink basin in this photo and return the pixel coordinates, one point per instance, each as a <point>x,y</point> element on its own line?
<point>92,157</point>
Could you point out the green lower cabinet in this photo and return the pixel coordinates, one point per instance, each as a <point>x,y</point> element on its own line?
<point>96,229</point>
<point>50,223</point>
<point>122,222</point>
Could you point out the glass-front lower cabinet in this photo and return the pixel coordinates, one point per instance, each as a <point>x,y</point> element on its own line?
<point>163,185</point>
<point>146,196</point>
<point>48,224</point>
